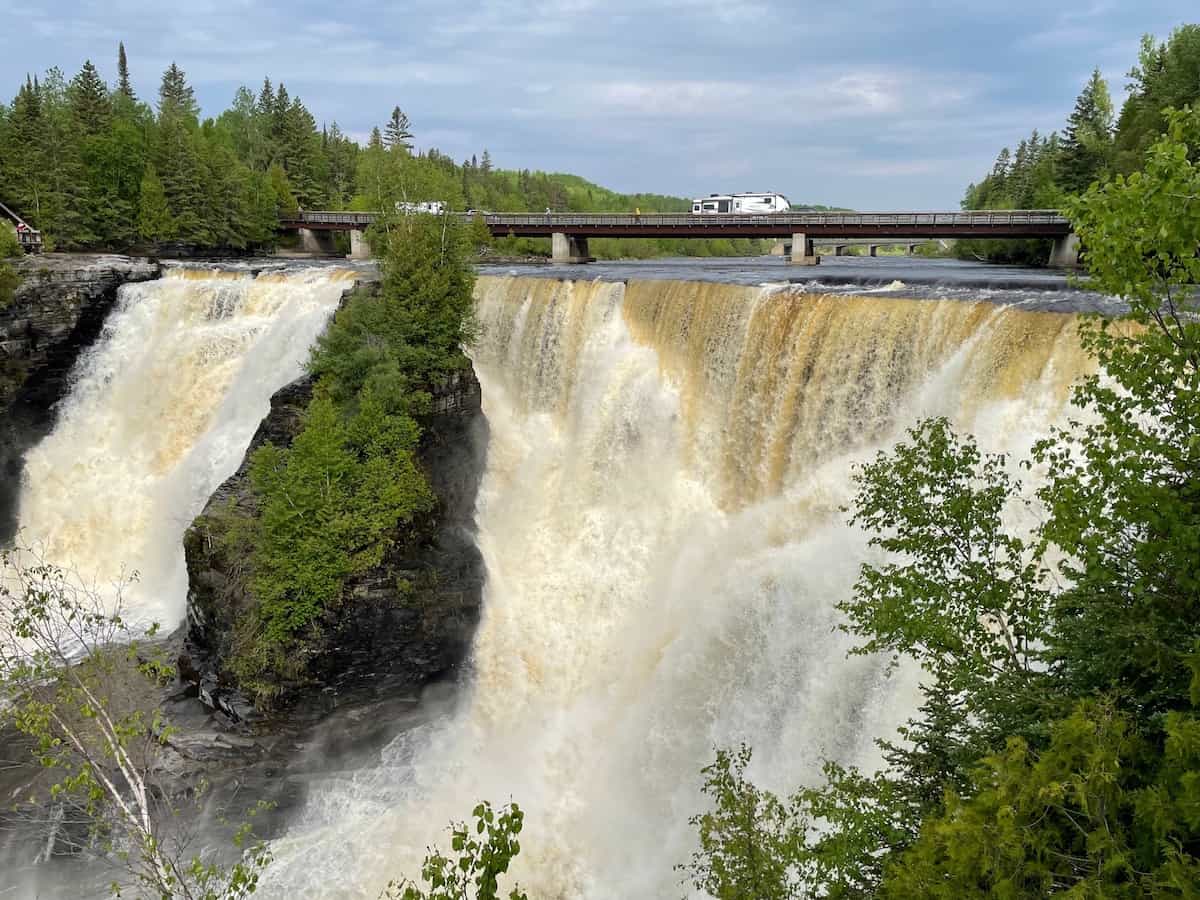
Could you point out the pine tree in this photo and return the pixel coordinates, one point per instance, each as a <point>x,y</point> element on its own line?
<point>124,87</point>
<point>485,164</point>
<point>1088,142</point>
<point>376,139</point>
<point>397,133</point>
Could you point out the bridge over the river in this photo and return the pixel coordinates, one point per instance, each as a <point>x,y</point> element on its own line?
<point>569,232</point>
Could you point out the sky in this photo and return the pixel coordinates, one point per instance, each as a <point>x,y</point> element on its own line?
<point>873,105</point>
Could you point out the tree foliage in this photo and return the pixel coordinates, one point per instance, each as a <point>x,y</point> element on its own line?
<point>10,247</point>
<point>483,854</point>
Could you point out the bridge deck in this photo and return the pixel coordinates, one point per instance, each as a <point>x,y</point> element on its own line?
<point>994,224</point>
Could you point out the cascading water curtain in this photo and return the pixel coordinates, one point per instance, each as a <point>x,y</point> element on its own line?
<point>661,528</point>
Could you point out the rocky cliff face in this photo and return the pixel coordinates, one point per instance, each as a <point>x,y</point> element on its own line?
<point>383,634</point>
<point>57,312</point>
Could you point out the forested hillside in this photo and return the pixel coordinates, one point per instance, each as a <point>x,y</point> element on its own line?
<point>96,166</point>
<point>1045,170</point>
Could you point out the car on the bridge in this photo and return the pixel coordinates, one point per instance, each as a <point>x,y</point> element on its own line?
<point>750,203</point>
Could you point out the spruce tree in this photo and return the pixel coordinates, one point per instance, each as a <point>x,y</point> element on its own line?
<point>266,98</point>
<point>301,153</point>
<point>124,87</point>
<point>485,164</point>
<point>397,133</point>
<point>178,159</point>
<point>88,96</point>
<point>175,96</point>
<point>183,179</point>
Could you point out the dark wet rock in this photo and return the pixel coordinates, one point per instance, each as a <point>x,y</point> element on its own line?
<point>403,622</point>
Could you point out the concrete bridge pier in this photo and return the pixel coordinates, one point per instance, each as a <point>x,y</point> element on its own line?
<point>321,242</point>
<point>568,248</point>
<point>359,248</point>
<point>911,249</point>
<point>840,249</point>
<point>872,249</point>
<point>1065,252</point>
<point>803,251</point>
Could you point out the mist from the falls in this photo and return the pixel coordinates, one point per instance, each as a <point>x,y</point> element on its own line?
<point>159,413</point>
<point>664,547</point>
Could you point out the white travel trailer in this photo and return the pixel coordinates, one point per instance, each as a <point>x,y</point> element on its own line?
<point>430,207</point>
<point>718,204</point>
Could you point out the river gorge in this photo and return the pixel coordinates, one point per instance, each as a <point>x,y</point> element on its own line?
<point>659,516</point>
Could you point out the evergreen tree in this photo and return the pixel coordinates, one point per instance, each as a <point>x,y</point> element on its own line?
<point>154,217</point>
<point>183,178</point>
<point>88,96</point>
<point>1167,76</point>
<point>340,154</point>
<point>25,172</point>
<point>485,164</point>
<point>398,135</point>
<point>1088,141</point>
<point>176,99</point>
<point>178,160</point>
<point>63,208</point>
<point>124,87</point>
<point>301,152</point>
<point>105,215</point>
<point>266,98</point>
<point>281,189</point>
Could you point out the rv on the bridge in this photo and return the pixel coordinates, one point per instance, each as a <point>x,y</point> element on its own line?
<point>430,207</point>
<point>717,204</point>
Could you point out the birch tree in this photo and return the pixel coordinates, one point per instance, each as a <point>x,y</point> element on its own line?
<point>82,686</point>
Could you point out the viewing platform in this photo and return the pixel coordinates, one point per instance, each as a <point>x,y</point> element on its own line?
<point>30,238</point>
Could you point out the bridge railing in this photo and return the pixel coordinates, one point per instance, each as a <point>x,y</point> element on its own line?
<point>995,218</point>
<point>1023,217</point>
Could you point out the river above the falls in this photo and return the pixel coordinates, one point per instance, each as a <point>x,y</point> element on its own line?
<point>904,276</point>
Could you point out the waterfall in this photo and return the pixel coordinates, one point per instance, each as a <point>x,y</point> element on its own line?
<point>664,547</point>
<point>159,413</point>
